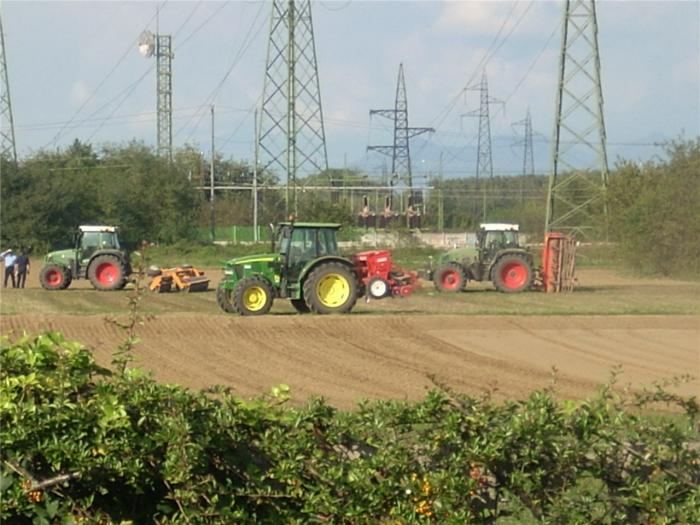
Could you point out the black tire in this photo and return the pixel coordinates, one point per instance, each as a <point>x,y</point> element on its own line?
<point>106,273</point>
<point>300,306</point>
<point>54,277</point>
<point>512,273</point>
<point>252,296</point>
<point>319,279</point>
<point>224,300</point>
<point>378,288</point>
<point>450,278</point>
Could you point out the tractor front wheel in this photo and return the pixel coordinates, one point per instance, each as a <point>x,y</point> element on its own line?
<point>252,296</point>
<point>55,277</point>
<point>450,278</point>
<point>512,273</point>
<point>331,288</point>
<point>224,300</point>
<point>106,273</point>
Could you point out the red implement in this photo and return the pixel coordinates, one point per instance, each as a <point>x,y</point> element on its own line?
<point>380,277</point>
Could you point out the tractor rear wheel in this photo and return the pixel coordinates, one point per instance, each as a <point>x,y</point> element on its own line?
<point>223,299</point>
<point>331,288</point>
<point>300,306</point>
<point>252,296</point>
<point>107,272</point>
<point>512,273</point>
<point>450,278</point>
<point>55,277</point>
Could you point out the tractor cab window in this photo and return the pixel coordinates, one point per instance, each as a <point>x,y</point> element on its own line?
<point>283,239</point>
<point>99,241</point>
<point>327,244</point>
<point>303,245</point>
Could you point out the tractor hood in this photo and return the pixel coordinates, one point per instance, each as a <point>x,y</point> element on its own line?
<point>61,257</point>
<point>459,254</point>
<point>250,259</point>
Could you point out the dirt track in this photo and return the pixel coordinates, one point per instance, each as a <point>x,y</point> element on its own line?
<point>391,356</point>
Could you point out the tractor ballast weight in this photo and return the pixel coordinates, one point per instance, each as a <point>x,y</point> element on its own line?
<point>96,255</point>
<point>497,257</point>
<point>304,266</point>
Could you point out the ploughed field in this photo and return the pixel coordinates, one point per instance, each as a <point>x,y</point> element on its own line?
<point>476,341</point>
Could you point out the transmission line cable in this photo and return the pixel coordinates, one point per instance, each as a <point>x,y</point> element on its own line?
<point>102,82</point>
<point>245,45</point>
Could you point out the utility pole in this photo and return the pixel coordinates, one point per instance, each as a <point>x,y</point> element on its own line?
<point>8,148</point>
<point>291,135</point>
<point>484,160</point>
<point>256,237</point>
<point>577,195</point>
<point>212,208</point>
<point>399,151</point>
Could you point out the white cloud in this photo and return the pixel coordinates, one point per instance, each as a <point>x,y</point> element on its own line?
<point>79,92</point>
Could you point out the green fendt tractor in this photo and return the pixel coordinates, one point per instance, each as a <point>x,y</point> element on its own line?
<point>497,257</point>
<point>96,256</point>
<point>304,265</point>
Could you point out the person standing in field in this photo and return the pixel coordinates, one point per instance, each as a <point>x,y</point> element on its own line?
<point>9,259</point>
<point>21,268</point>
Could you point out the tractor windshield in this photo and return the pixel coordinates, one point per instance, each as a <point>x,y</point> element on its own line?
<point>99,240</point>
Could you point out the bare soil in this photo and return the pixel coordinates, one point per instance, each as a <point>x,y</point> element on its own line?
<point>391,349</point>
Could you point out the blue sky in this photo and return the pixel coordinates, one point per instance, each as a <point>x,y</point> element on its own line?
<point>78,62</point>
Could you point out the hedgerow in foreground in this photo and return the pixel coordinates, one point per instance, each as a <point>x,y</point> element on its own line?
<point>83,445</point>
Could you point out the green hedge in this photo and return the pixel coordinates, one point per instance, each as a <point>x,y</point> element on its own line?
<point>83,445</point>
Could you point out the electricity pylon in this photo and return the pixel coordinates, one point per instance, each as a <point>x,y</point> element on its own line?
<point>399,151</point>
<point>528,154</point>
<point>161,46</point>
<point>291,135</point>
<point>576,192</point>
<point>7,129</point>
<point>484,158</point>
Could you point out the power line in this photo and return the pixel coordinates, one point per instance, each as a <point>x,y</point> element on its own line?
<point>102,82</point>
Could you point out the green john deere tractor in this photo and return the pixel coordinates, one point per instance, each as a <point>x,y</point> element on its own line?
<point>96,256</point>
<point>304,266</point>
<point>497,257</point>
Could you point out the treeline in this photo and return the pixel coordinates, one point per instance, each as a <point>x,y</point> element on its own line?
<point>652,208</point>
<point>82,444</point>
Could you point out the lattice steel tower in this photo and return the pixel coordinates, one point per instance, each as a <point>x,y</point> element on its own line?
<point>291,135</point>
<point>528,152</point>
<point>576,192</point>
<point>399,152</point>
<point>484,158</point>
<point>161,46</point>
<point>7,129</point>
<point>164,86</point>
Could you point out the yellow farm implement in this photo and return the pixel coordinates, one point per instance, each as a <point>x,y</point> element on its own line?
<point>180,278</point>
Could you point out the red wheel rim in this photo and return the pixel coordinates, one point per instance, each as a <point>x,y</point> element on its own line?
<point>53,277</point>
<point>106,273</point>
<point>514,275</point>
<point>450,279</point>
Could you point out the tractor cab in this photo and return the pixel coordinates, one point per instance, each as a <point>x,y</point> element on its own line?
<point>494,237</point>
<point>299,243</point>
<point>89,239</point>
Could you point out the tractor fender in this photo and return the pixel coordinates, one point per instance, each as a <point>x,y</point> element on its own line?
<point>508,251</point>
<point>308,268</point>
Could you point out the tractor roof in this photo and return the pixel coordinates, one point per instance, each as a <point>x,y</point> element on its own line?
<point>333,225</point>
<point>97,228</point>
<point>498,226</point>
